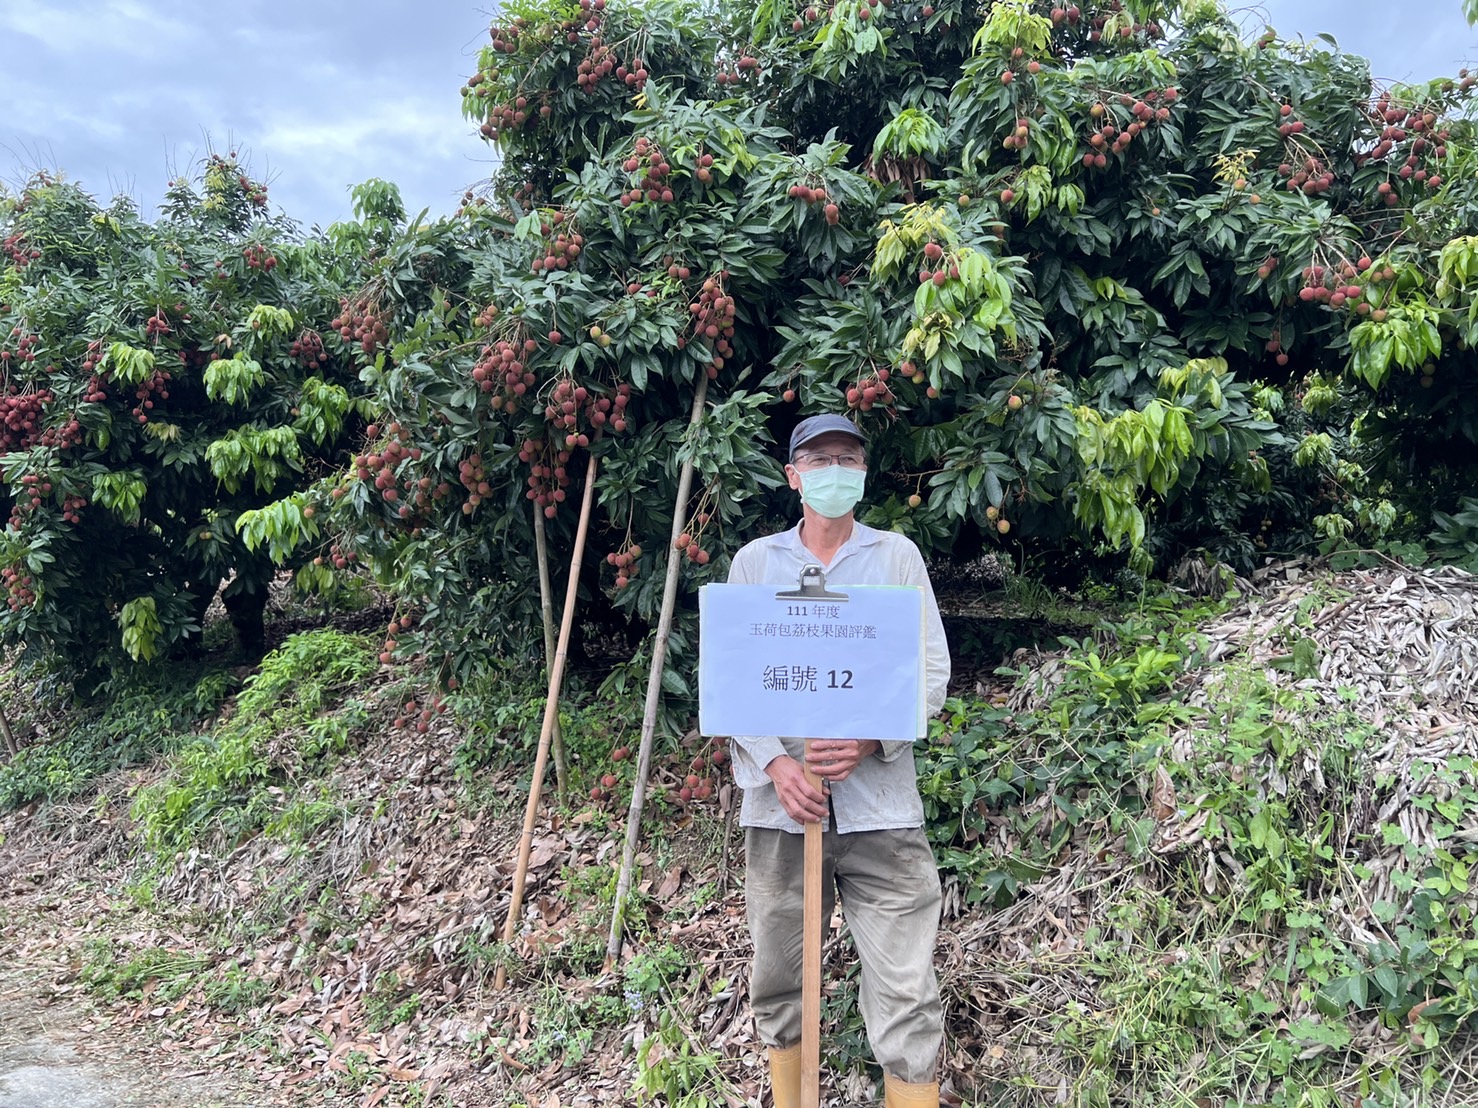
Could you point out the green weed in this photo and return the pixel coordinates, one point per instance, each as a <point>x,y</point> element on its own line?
<point>675,1070</point>
<point>159,711</point>
<point>302,694</point>
<point>155,972</point>
<point>389,1003</point>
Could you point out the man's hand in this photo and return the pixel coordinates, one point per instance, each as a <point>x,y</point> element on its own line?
<point>835,759</point>
<point>803,801</point>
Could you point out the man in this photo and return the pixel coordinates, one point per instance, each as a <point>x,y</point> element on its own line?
<point>875,852</point>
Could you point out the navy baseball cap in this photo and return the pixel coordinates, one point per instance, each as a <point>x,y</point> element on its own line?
<point>813,427</point>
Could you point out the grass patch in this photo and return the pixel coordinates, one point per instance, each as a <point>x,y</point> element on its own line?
<point>159,711</point>
<point>294,713</point>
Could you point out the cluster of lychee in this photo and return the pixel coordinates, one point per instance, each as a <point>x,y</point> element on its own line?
<point>157,326</point>
<point>500,366</point>
<point>870,390</point>
<point>339,557</point>
<point>1109,138</point>
<point>602,61</point>
<point>817,195</point>
<point>688,544</point>
<point>94,393</point>
<point>510,116</point>
<point>697,784</point>
<point>1072,16</point>
<point>259,257</point>
<point>572,407</point>
<point>254,191</point>
<point>397,625</point>
<point>652,170</point>
<point>63,436</point>
<point>559,253</point>
<point>475,480</point>
<point>695,781</point>
<point>25,348</point>
<point>307,349</point>
<point>713,320</point>
<point>746,66</point>
<point>155,385</point>
<point>21,412</point>
<point>72,508</point>
<point>358,321</point>
<point>505,36</point>
<point>20,588</point>
<point>1274,346</point>
<point>937,267</point>
<point>1288,126</point>
<point>1335,286</point>
<point>917,376</point>
<point>627,563</point>
<point>548,477</point>
<point>1019,138</point>
<point>1260,540</point>
<point>1428,145</point>
<point>809,15</point>
<point>19,253</point>
<point>703,173</point>
<point>1312,176</point>
<point>383,467</point>
<point>32,493</point>
<point>419,715</point>
<point>33,488</point>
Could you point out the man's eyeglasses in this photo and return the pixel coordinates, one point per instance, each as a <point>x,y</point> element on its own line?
<point>812,460</point>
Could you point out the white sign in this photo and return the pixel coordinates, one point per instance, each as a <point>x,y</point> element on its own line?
<point>811,668</point>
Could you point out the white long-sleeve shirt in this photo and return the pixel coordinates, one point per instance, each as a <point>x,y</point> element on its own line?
<point>882,793</point>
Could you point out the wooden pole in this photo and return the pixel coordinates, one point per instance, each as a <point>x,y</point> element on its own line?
<point>654,687</point>
<point>811,958</point>
<point>11,746</point>
<point>551,714</point>
<point>546,612</point>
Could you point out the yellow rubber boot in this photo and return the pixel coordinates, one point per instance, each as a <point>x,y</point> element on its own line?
<point>785,1076</point>
<point>900,1094</point>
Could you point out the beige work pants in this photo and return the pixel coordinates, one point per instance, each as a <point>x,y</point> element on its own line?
<point>889,885</point>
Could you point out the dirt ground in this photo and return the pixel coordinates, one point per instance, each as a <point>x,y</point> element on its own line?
<point>56,1051</point>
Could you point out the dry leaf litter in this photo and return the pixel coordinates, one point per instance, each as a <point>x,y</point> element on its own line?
<point>427,875</point>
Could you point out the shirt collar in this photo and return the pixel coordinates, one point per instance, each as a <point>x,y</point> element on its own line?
<point>862,536</point>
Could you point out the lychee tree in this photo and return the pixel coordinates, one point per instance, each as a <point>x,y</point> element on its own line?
<point>1099,281</point>
<point>159,379</point>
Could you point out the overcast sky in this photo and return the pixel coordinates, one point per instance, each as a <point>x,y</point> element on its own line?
<point>320,94</point>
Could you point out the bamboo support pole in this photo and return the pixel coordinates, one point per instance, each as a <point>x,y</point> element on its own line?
<point>551,714</point>
<point>11,746</point>
<point>654,686</point>
<point>546,611</point>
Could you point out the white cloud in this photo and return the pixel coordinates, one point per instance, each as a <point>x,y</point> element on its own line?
<point>47,116</point>
<point>414,128</point>
<point>118,26</point>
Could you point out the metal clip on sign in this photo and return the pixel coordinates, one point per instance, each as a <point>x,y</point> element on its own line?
<point>812,586</point>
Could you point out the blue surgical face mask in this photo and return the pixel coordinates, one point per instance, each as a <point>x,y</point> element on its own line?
<point>833,490</point>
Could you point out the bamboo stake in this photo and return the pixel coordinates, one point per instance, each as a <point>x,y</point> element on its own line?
<point>12,747</point>
<point>654,686</point>
<point>546,611</point>
<point>551,714</point>
<point>811,957</point>
<point>727,852</point>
